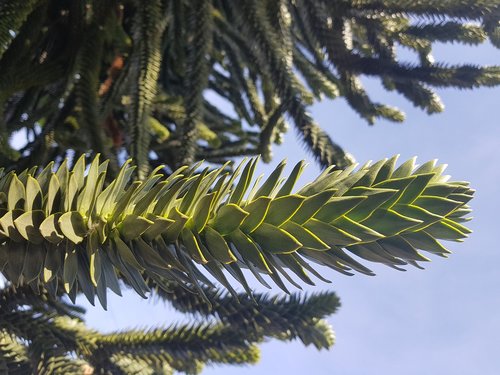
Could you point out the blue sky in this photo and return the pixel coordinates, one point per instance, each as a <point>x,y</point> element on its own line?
<point>443,320</point>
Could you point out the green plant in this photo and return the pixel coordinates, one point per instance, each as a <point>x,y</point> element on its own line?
<point>64,232</point>
<point>72,228</point>
<point>144,80</point>
<point>128,76</point>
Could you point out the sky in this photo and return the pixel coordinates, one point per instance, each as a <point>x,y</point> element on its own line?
<point>441,320</point>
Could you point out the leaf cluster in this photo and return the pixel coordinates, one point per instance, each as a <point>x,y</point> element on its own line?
<point>147,78</point>
<point>66,230</point>
<point>43,335</point>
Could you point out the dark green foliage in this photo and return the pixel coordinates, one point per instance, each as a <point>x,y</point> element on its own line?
<point>198,38</point>
<point>39,332</point>
<point>111,76</point>
<point>148,25</point>
<point>262,315</point>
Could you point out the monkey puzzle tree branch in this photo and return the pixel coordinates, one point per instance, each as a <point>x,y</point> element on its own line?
<point>64,228</point>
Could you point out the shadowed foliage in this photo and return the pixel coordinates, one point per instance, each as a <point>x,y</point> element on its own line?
<point>148,78</point>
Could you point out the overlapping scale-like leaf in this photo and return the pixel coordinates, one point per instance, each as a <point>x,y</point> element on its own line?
<point>66,229</point>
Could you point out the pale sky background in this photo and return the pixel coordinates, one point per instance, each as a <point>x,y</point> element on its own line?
<point>442,320</point>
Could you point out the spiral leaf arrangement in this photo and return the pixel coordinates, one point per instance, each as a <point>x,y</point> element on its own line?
<point>146,78</point>
<point>65,229</point>
<point>44,335</point>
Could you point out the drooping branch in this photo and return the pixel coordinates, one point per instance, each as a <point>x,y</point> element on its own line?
<point>268,60</point>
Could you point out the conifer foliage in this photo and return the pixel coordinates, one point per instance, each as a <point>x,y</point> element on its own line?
<point>116,80</point>
<point>147,78</point>
<point>74,231</point>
